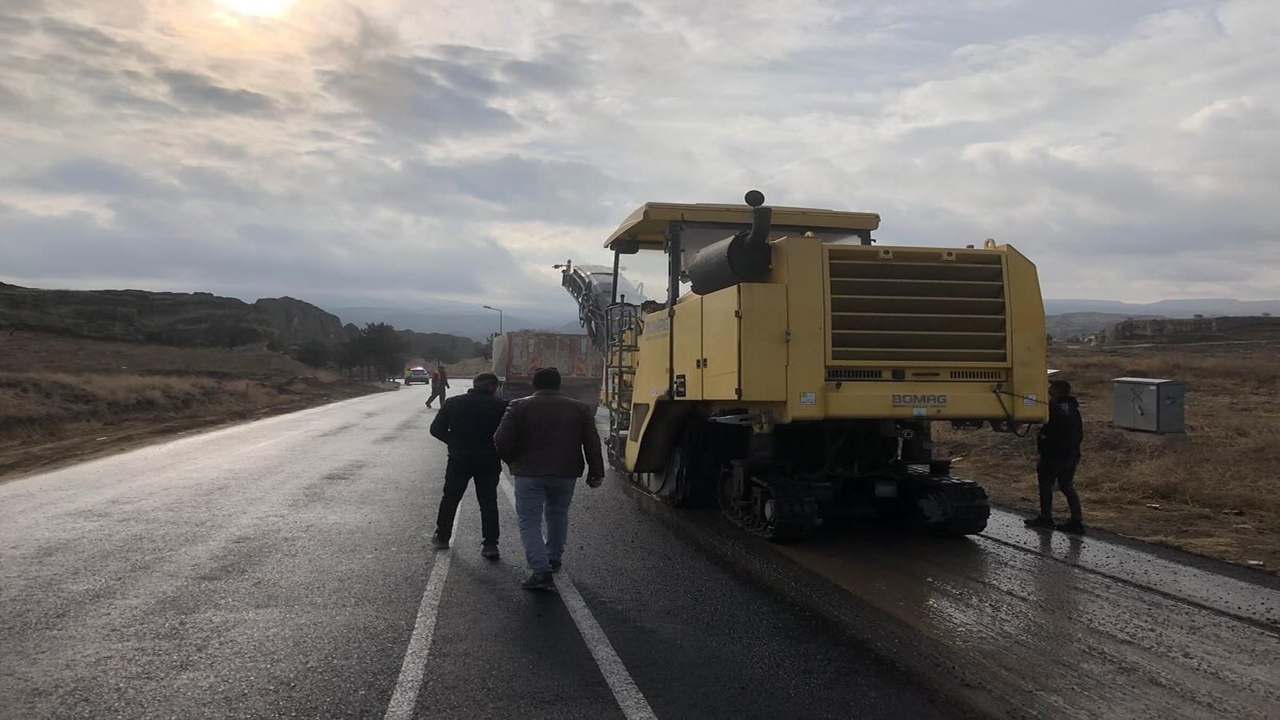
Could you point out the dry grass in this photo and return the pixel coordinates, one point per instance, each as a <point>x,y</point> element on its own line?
<point>468,368</point>
<point>1216,487</point>
<point>58,393</point>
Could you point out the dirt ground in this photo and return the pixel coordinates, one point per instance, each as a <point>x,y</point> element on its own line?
<point>1212,491</point>
<point>66,399</point>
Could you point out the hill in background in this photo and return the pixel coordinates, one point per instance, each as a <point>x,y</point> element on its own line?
<point>1164,308</point>
<point>460,319</point>
<point>177,319</point>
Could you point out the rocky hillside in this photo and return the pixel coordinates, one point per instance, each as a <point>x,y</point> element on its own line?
<point>297,322</point>
<point>180,319</point>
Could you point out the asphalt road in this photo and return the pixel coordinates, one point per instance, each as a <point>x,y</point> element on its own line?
<point>281,568</point>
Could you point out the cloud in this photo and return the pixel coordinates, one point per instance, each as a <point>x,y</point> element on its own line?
<point>12,26</point>
<point>1132,148</point>
<point>146,244</point>
<point>421,98</point>
<point>94,177</point>
<point>1241,114</point>
<point>509,187</point>
<point>200,92</point>
<point>10,100</point>
<point>79,37</point>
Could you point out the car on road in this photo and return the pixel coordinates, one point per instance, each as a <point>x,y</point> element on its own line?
<point>417,375</point>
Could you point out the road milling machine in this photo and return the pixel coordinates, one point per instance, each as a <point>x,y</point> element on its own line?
<point>794,371</point>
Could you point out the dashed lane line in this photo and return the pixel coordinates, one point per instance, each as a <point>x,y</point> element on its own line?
<point>630,700</point>
<point>405,697</point>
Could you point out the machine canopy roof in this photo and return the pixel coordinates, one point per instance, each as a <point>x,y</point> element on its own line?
<point>648,224</point>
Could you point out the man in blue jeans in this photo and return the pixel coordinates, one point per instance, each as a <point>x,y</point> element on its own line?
<point>547,439</point>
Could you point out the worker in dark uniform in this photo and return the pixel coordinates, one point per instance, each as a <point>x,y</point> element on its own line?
<point>1059,446</point>
<point>466,424</point>
<point>439,383</point>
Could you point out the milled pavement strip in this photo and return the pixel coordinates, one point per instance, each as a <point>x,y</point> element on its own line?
<point>1248,602</point>
<point>630,700</point>
<point>405,696</point>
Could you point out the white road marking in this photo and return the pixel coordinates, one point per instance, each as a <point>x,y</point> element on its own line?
<point>628,695</point>
<point>405,696</point>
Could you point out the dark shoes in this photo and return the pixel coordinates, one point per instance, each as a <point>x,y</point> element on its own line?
<point>1074,527</point>
<point>1039,523</point>
<point>490,551</point>
<point>439,543</point>
<point>556,565</point>
<point>540,581</point>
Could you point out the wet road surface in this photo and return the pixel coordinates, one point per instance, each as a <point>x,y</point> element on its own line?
<point>1023,623</point>
<point>1074,627</point>
<point>282,568</point>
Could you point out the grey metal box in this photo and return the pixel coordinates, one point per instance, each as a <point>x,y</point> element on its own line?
<point>1149,404</point>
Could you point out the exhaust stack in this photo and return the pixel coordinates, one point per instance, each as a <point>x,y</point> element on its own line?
<point>744,257</point>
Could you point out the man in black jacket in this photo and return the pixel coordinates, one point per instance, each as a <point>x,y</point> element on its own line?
<point>466,423</point>
<point>1059,446</point>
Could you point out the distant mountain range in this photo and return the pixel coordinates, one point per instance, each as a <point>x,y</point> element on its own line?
<point>201,318</point>
<point>458,319</point>
<point>1067,316</point>
<point>1165,308</point>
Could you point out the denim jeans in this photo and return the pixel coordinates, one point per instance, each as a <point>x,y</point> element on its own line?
<point>536,497</point>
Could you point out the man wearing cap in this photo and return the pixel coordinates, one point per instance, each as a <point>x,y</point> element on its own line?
<point>548,439</point>
<point>466,424</point>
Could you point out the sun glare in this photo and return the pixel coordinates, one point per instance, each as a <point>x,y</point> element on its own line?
<point>259,8</point>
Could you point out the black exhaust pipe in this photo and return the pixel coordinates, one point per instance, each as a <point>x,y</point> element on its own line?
<point>744,257</point>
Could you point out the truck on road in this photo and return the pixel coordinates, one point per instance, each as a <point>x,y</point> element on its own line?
<point>517,355</point>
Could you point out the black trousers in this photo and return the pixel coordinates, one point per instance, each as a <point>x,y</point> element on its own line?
<point>1062,472</point>
<point>436,394</point>
<point>460,470</point>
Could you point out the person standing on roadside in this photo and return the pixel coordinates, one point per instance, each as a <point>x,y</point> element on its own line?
<point>439,383</point>
<point>467,424</point>
<point>1059,446</point>
<point>547,439</point>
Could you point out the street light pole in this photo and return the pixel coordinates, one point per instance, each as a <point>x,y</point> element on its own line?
<point>499,311</point>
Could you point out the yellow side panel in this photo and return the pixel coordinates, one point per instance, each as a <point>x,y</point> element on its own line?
<point>763,374</point>
<point>798,262</point>
<point>720,345</point>
<point>651,376</point>
<point>1027,342</point>
<point>688,348</point>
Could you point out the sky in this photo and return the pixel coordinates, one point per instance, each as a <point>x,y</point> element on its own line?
<point>387,153</point>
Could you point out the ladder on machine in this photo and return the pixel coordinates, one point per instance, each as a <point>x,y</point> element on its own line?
<point>622,330</point>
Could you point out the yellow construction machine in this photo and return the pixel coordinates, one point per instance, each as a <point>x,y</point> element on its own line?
<point>795,368</point>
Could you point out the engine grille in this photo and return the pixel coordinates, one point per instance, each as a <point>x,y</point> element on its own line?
<point>908,305</point>
<point>977,375</point>
<point>854,374</point>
